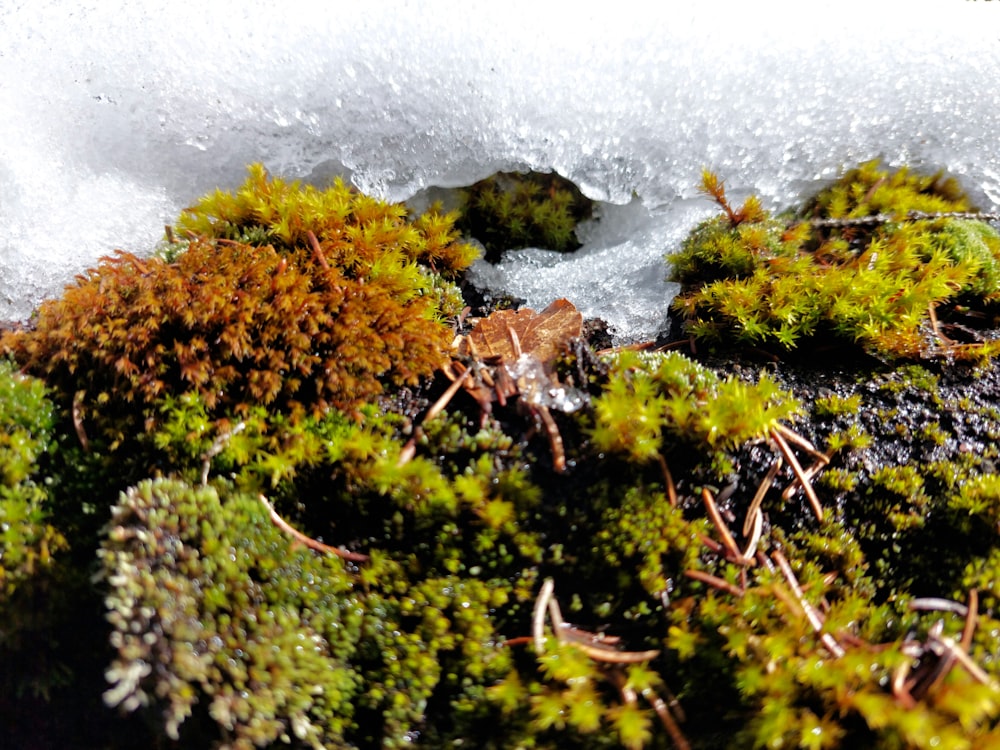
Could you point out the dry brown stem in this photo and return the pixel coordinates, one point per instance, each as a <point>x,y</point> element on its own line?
<point>309,542</point>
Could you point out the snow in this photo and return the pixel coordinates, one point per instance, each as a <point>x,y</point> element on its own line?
<point>115,115</point>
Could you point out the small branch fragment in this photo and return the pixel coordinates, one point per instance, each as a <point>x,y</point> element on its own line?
<point>714,581</point>
<point>758,497</point>
<point>629,696</point>
<point>935,604</point>
<point>613,656</point>
<point>807,487</point>
<point>666,718</point>
<point>796,439</point>
<point>733,552</point>
<point>899,689</point>
<point>808,473</point>
<point>555,439</point>
<point>814,617</point>
<point>756,529</point>
<point>668,479</point>
<point>597,647</point>
<point>538,615</point>
<point>446,397</point>
<point>932,671</point>
<point>309,541</point>
<point>958,653</point>
<point>81,433</point>
<point>408,452</point>
<point>217,447</point>
<point>971,619</point>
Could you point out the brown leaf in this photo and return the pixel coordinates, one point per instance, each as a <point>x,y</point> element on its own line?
<point>542,335</point>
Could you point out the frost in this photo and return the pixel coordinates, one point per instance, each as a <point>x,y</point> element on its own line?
<point>537,387</point>
<point>117,115</point>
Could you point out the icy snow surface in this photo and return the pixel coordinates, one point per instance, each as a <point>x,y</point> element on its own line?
<point>115,115</point>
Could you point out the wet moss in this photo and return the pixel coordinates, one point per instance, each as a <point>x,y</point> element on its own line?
<point>877,260</point>
<point>512,210</point>
<point>29,539</point>
<point>340,304</point>
<point>309,569</point>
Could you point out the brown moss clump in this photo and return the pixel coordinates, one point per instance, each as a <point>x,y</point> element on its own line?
<point>298,299</point>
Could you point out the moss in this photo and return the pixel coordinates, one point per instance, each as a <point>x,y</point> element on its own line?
<point>211,606</point>
<point>514,210</point>
<point>33,568</point>
<point>358,234</point>
<point>651,398</point>
<point>389,598</point>
<point>297,326</point>
<point>460,533</point>
<point>415,624</point>
<point>27,538</point>
<point>869,189</point>
<point>885,286</point>
<point>833,404</point>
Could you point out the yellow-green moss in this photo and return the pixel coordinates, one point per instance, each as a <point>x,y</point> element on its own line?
<point>27,538</point>
<point>652,400</point>
<point>358,234</point>
<point>750,278</point>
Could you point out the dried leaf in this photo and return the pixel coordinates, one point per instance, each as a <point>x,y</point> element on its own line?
<point>542,335</point>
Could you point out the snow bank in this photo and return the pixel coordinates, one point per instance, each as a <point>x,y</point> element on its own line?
<point>115,115</point>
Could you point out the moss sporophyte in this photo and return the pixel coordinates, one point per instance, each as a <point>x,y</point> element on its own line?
<point>330,509</point>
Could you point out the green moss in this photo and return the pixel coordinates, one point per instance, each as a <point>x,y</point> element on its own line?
<point>869,189</point>
<point>833,405</point>
<point>910,378</point>
<point>403,614</point>
<point>749,278</point>
<point>421,630</point>
<point>358,234</point>
<point>650,400</point>
<point>27,538</point>
<point>977,501</point>
<point>211,606</point>
<point>514,210</point>
<point>34,572</point>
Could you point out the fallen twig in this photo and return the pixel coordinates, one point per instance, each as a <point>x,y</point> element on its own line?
<point>317,250</point>
<point>81,433</point>
<point>874,219</point>
<point>814,617</point>
<point>447,396</point>
<point>597,647</point>
<point>309,541</point>
<point>733,552</point>
<point>758,497</point>
<point>668,479</point>
<point>807,487</point>
<point>216,448</point>
<point>714,581</point>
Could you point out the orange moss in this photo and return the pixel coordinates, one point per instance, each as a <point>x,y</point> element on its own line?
<point>237,324</point>
<point>286,296</point>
